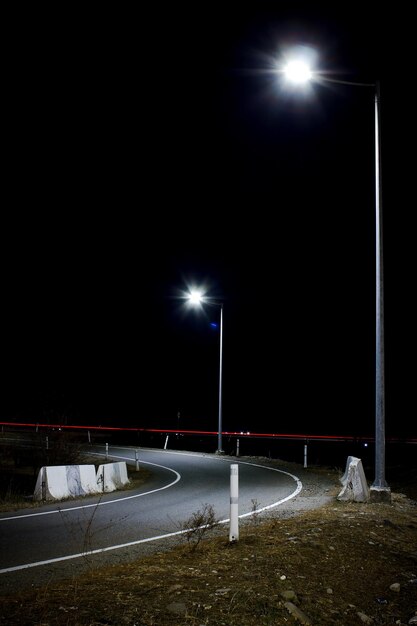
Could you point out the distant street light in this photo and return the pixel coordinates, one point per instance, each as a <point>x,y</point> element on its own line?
<point>196,298</point>
<point>298,72</point>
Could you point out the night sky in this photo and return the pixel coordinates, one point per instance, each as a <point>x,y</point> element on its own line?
<point>154,149</point>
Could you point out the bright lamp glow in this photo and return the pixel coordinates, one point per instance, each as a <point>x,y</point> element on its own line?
<point>298,72</point>
<point>195,297</point>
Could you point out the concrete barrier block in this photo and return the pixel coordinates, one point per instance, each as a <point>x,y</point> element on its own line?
<point>112,476</point>
<point>355,486</point>
<point>65,481</point>
<point>345,475</point>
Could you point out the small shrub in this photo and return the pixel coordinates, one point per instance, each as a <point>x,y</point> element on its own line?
<point>255,517</point>
<point>198,525</point>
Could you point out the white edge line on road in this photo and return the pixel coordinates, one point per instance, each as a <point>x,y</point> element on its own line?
<point>88,506</point>
<point>166,536</point>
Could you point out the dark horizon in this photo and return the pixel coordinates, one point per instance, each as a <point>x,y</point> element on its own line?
<point>153,154</point>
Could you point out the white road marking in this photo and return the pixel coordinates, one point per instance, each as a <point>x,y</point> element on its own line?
<point>88,506</point>
<point>157,538</point>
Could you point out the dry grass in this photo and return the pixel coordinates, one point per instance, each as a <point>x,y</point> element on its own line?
<point>335,564</point>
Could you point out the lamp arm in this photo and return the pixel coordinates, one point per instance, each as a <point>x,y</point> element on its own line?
<point>345,82</point>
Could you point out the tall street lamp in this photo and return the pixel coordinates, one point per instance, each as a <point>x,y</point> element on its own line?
<point>298,72</point>
<point>196,298</point>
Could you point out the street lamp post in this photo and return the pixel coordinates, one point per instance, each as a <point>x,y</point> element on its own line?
<point>196,298</point>
<point>298,73</point>
<point>379,489</point>
<point>220,424</point>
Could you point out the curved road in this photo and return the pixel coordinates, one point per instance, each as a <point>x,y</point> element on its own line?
<point>180,484</point>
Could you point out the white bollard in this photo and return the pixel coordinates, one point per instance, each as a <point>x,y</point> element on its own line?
<point>237,447</point>
<point>47,442</point>
<point>137,459</point>
<point>107,451</point>
<point>305,455</point>
<point>166,442</point>
<point>234,503</point>
<point>89,436</point>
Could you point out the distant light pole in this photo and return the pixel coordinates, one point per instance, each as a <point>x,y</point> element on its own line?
<point>196,298</point>
<point>298,72</point>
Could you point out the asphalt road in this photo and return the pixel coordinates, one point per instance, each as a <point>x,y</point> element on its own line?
<point>180,484</point>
